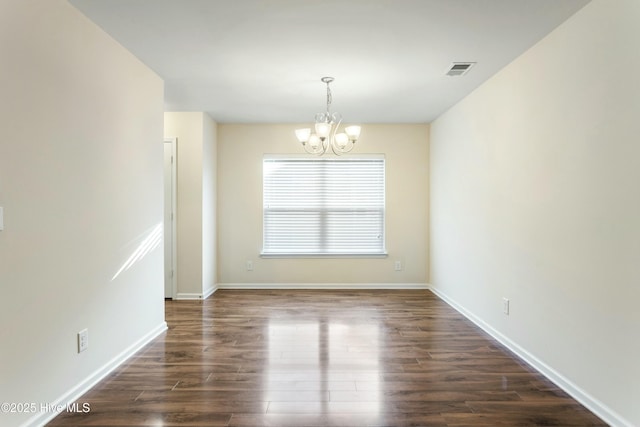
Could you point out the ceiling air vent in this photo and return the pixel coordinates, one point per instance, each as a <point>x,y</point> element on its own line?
<point>459,68</point>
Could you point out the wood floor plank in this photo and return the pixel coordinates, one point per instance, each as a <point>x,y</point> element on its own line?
<point>324,358</point>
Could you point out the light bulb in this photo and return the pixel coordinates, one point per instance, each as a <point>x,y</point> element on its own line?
<point>314,141</point>
<point>341,140</point>
<point>353,132</point>
<point>303,135</point>
<point>323,129</point>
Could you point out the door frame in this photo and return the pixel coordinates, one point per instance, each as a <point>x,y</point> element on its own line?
<point>170,211</point>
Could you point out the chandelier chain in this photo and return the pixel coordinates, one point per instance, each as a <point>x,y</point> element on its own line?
<point>329,99</point>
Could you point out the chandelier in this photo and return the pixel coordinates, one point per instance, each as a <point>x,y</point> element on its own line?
<point>326,131</point>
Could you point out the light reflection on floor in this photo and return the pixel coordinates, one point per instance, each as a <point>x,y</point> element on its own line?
<point>330,365</point>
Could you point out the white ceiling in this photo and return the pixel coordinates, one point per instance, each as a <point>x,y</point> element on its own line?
<point>261,61</point>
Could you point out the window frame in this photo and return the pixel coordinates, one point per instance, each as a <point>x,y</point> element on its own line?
<point>364,157</point>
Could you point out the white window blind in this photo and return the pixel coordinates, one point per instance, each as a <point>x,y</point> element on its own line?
<point>323,206</point>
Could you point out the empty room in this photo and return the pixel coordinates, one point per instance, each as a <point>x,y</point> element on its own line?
<point>339,213</point>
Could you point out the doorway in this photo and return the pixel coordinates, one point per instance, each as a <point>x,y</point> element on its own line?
<point>170,260</point>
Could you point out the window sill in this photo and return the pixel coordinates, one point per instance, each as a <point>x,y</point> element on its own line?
<point>382,255</point>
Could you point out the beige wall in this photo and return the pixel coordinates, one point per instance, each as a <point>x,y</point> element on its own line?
<point>534,185</point>
<point>240,152</point>
<point>81,187</point>
<point>196,199</point>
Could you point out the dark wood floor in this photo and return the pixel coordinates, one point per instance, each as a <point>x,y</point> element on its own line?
<point>324,358</point>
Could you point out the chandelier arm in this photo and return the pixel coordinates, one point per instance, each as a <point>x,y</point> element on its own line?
<point>318,152</point>
<point>325,145</point>
<point>335,130</point>
<point>314,152</point>
<point>340,151</point>
<point>351,145</point>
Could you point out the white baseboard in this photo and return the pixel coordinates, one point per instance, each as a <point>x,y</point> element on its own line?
<point>208,292</point>
<point>327,286</point>
<point>196,296</point>
<point>593,404</point>
<point>85,385</point>
<point>188,295</point>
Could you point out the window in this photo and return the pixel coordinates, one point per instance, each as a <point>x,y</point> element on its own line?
<point>323,206</point>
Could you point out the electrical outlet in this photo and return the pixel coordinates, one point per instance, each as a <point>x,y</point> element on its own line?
<point>398,265</point>
<point>505,306</point>
<point>83,340</point>
<point>249,265</point>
